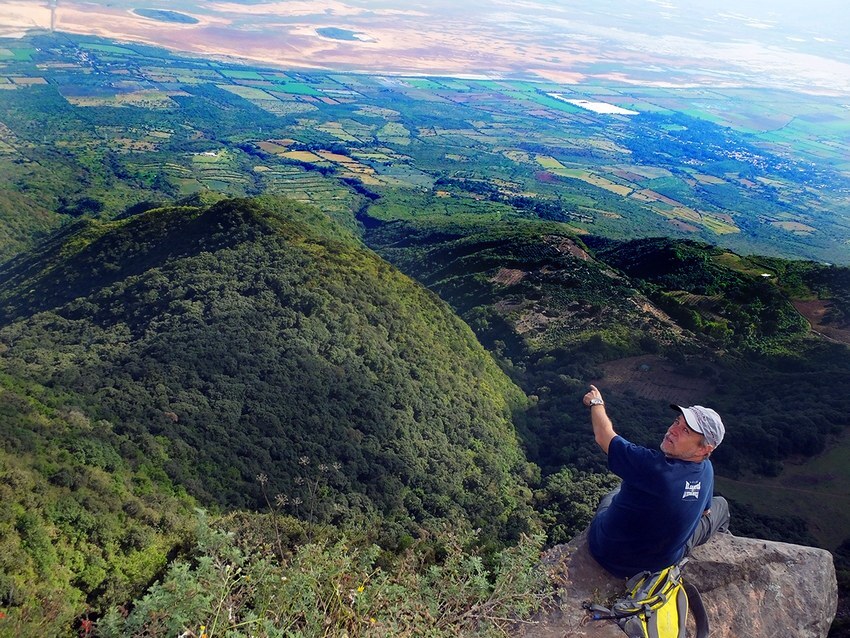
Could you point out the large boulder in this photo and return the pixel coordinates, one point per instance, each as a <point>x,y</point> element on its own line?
<point>751,589</point>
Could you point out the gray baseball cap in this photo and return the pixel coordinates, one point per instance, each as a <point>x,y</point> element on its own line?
<point>705,421</point>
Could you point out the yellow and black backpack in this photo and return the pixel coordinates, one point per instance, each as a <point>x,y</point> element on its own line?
<point>656,605</point>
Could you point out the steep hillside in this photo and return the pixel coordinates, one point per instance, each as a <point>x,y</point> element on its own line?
<point>536,277</point>
<point>21,221</point>
<point>550,312</point>
<point>735,303</point>
<point>652,321</point>
<point>256,337</point>
<point>80,526</point>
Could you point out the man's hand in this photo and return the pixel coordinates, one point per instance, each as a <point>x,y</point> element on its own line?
<point>603,430</point>
<point>593,393</point>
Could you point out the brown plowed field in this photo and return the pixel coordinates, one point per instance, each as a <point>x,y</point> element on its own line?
<point>652,377</point>
<point>509,276</point>
<point>814,312</point>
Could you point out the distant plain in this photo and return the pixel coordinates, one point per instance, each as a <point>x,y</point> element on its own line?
<point>718,44</point>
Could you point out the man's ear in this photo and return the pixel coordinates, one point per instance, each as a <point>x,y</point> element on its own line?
<point>708,449</point>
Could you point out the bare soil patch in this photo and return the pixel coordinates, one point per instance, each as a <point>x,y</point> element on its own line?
<point>566,245</point>
<point>680,225</point>
<point>509,276</point>
<point>545,177</point>
<point>532,321</point>
<point>815,312</point>
<point>655,378</point>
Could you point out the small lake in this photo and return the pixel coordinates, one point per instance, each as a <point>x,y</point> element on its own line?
<point>336,33</point>
<point>163,15</point>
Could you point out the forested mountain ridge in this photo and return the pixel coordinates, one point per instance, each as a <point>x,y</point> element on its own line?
<point>256,336</point>
<point>90,254</point>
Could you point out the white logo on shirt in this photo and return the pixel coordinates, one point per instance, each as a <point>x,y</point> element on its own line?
<point>692,489</point>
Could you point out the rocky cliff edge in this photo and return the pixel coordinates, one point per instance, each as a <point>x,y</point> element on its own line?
<point>751,589</point>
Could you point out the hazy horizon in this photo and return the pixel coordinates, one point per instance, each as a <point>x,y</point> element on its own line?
<point>647,42</point>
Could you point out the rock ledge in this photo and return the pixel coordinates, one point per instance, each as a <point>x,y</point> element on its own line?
<point>751,588</point>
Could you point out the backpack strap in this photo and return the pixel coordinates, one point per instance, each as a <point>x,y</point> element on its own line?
<point>698,610</point>
<point>635,580</point>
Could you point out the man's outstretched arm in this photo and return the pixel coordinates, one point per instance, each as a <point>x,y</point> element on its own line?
<point>603,429</point>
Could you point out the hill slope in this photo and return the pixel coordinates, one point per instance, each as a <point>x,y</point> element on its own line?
<point>79,528</point>
<point>256,337</point>
<point>652,321</point>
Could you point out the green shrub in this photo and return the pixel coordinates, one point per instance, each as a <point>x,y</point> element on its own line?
<point>441,587</point>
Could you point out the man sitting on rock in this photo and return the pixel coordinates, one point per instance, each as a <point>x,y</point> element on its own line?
<point>664,506</point>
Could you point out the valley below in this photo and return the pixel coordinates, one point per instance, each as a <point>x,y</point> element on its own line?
<point>308,341</point>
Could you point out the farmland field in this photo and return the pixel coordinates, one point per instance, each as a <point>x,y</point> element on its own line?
<point>758,173</point>
<point>653,378</point>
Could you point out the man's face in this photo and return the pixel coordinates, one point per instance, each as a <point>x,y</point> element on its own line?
<point>683,443</point>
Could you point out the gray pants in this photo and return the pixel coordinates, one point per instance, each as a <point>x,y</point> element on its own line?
<point>716,520</point>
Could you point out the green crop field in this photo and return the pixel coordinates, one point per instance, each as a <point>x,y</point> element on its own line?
<point>108,48</point>
<point>241,75</point>
<point>295,88</point>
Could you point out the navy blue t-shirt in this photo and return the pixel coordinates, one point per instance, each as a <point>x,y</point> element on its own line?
<point>655,513</point>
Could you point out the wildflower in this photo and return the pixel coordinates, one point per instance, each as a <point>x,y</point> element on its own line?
<point>262,479</point>
<point>281,500</point>
<point>372,620</point>
<point>304,460</point>
<point>360,589</point>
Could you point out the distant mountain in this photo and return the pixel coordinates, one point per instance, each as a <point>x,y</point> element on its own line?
<point>257,337</point>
